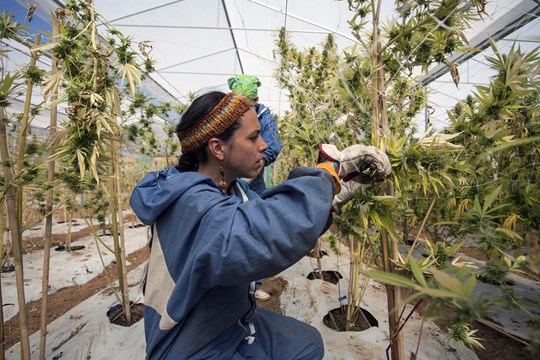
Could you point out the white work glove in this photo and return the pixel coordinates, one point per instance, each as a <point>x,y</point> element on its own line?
<point>360,163</point>
<point>348,190</point>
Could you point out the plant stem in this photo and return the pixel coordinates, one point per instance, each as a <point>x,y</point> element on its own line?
<point>421,229</point>
<point>318,257</point>
<point>68,235</point>
<point>125,289</point>
<point>49,203</point>
<point>2,230</point>
<point>380,122</point>
<point>22,134</point>
<point>118,246</point>
<point>352,281</point>
<point>97,241</point>
<point>14,228</point>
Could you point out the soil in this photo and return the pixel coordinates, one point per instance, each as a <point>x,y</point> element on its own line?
<point>329,276</point>
<point>474,253</point>
<point>497,346</point>
<point>336,319</point>
<point>313,254</point>
<point>274,286</point>
<point>32,243</point>
<point>118,317</point>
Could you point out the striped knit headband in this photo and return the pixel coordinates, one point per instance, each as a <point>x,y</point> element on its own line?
<point>219,119</point>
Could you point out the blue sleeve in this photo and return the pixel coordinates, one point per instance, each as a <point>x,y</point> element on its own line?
<point>262,237</point>
<point>269,133</point>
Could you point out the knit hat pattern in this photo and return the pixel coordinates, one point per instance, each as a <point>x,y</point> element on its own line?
<point>245,85</point>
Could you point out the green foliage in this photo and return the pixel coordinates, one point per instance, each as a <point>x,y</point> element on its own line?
<point>470,172</point>
<point>34,74</point>
<point>91,68</point>
<point>309,76</point>
<point>442,253</point>
<point>98,207</point>
<point>7,88</point>
<point>9,29</point>
<point>429,31</point>
<point>500,127</point>
<point>426,166</point>
<point>494,273</point>
<point>463,335</point>
<point>70,177</point>
<point>448,296</point>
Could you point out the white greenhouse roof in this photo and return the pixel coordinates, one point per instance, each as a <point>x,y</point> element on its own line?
<point>199,44</point>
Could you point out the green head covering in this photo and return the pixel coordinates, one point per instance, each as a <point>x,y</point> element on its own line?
<point>245,85</point>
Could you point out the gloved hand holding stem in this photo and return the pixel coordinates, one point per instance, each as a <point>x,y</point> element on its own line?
<point>357,166</point>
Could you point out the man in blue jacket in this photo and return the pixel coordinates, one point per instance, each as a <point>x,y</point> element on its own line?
<point>247,85</point>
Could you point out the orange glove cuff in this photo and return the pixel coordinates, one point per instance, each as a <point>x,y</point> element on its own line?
<point>330,168</point>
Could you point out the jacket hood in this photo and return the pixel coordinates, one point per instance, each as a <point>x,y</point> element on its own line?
<point>159,189</point>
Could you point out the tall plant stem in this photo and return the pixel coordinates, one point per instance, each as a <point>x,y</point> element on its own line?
<point>119,242</point>
<point>393,295</point>
<point>318,257</point>
<point>2,229</point>
<point>68,235</point>
<point>14,227</point>
<point>14,205</point>
<point>409,254</point>
<point>388,244</point>
<point>23,131</point>
<point>120,198</point>
<point>49,196</point>
<point>352,282</point>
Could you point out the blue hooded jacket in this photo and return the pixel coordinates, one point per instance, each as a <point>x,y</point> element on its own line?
<point>269,133</point>
<point>207,248</point>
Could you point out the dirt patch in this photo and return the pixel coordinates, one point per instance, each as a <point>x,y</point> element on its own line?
<point>118,317</point>
<point>32,243</point>
<point>315,254</point>
<point>473,252</point>
<point>499,346</point>
<point>273,286</point>
<point>329,276</point>
<point>360,320</point>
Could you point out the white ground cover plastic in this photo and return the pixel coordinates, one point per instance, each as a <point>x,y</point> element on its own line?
<point>85,331</point>
<point>67,268</point>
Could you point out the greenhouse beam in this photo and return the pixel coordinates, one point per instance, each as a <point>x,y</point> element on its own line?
<point>306,21</point>
<point>232,35</point>
<point>513,20</point>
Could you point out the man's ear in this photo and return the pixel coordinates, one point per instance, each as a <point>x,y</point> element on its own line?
<point>216,148</point>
